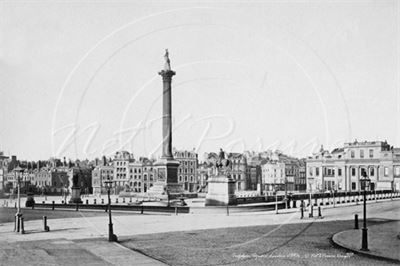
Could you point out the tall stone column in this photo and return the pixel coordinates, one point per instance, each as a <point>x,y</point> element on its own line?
<point>167,113</point>
<point>167,186</point>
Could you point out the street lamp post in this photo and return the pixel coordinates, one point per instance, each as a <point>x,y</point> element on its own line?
<point>65,194</point>
<point>311,206</point>
<point>286,199</point>
<point>18,170</point>
<point>276,199</point>
<point>365,182</point>
<point>111,236</point>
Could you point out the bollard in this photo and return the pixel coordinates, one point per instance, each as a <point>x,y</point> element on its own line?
<point>45,227</point>
<point>319,212</point>
<point>130,200</point>
<point>15,223</point>
<point>52,205</point>
<point>87,202</point>
<point>22,226</point>
<point>302,212</point>
<point>355,221</point>
<point>77,206</point>
<point>33,205</point>
<point>18,217</point>
<point>141,212</point>
<point>95,202</point>
<point>176,210</point>
<point>311,211</point>
<point>227,210</point>
<point>106,208</point>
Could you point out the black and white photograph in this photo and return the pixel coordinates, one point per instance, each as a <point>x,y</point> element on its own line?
<point>199,133</point>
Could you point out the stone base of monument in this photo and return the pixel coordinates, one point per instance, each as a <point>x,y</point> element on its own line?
<point>75,195</point>
<point>160,190</point>
<point>221,191</point>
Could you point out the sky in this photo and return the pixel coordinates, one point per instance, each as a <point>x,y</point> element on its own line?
<point>80,78</point>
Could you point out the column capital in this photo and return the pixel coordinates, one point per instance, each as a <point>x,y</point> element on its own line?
<point>166,74</point>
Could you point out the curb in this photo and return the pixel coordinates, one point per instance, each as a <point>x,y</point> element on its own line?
<point>358,251</point>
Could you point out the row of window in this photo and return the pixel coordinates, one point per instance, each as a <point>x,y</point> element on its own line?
<point>144,177</point>
<point>371,153</point>
<point>237,177</point>
<point>331,171</point>
<point>186,163</point>
<point>186,170</point>
<point>107,172</point>
<point>186,179</point>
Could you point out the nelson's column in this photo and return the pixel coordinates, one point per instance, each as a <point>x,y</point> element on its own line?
<point>167,166</point>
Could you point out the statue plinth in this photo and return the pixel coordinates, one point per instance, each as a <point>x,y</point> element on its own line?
<point>75,195</point>
<point>221,191</point>
<point>167,185</point>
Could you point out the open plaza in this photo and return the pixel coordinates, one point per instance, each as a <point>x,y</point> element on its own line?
<point>204,236</point>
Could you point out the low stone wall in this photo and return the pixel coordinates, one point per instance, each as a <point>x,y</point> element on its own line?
<point>135,208</point>
<point>318,198</point>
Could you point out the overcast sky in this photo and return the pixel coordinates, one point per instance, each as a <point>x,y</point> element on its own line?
<point>80,78</point>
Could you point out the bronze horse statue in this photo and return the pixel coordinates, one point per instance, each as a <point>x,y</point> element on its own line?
<point>222,163</point>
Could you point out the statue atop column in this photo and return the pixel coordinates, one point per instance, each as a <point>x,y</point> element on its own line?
<point>167,65</point>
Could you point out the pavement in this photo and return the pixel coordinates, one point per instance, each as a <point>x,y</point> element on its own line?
<point>71,252</point>
<point>383,242</point>
<point>89,234</point>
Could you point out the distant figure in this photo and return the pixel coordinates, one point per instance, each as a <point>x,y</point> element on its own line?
<point>167,65</point>
<point>221,154</point>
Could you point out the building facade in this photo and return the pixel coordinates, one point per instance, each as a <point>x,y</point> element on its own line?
<point>100,174</point>
<point>300,183</point>
<point>121,168</point>
<point>187,170</point>
<point>238,171</point>
<point>142,175</point>
<point>342,168</point>
<point>273,176</point>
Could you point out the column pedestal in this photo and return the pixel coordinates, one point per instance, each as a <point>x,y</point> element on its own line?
<point>75,195</point>
<point>221,191</point>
